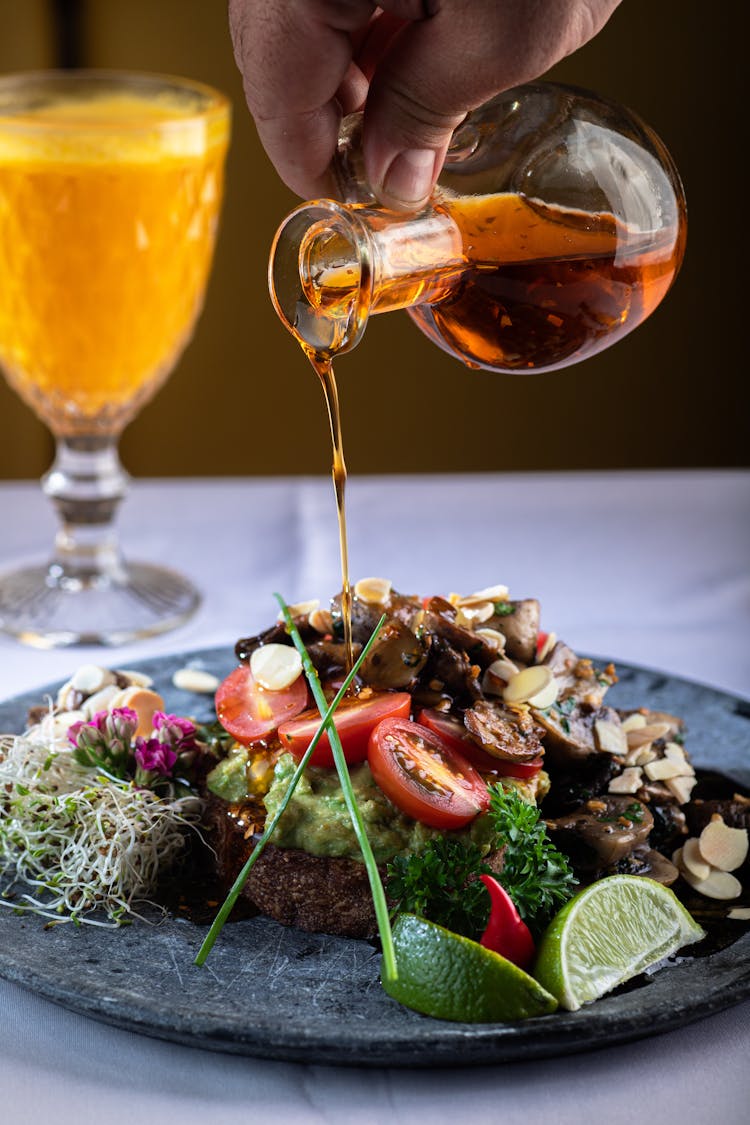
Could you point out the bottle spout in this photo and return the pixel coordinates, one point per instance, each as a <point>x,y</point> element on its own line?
<point>319,277</point>
<point>334,264</point>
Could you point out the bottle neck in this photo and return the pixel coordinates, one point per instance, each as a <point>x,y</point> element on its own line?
<point>332,265</point>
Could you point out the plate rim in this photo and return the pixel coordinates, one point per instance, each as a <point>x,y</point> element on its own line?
<point>440,1043</point>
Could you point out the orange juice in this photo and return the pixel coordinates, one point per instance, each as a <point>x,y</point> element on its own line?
<point>108,214</point>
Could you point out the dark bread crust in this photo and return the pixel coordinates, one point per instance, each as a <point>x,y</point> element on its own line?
<point>317,894</point>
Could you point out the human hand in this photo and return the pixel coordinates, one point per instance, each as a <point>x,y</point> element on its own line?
<point>416,67</point>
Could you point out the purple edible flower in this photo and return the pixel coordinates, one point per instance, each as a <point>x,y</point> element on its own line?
<point>109,729</point>
<point>104,740</point>
<point>153,756</point>
<point>172,730</point>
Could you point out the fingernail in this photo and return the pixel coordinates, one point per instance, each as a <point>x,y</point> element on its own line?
<point>410,176</point>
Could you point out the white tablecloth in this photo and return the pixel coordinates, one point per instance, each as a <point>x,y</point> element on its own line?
<point>646,567</point>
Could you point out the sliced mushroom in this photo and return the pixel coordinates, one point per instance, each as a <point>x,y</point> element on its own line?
<point>448,670</point>
<point>569,734</point>
<point>440,620</point>
<point>577,676</point>
<point>647,862</point>
<point>561,660</point>
<point>364,616</point>
<point>669,824</point>
<point>330,657</point>
<point>601,832</point>
<point>573,787</point>
<point>520,627</point>
<point>506,732</point>
<point>276,635</point>
<point>396,657</point>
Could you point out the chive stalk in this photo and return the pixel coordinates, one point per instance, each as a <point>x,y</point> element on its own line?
<point>327,712</point>
<point>376,884</point>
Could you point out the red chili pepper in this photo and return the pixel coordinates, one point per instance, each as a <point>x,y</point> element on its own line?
<point>541,640</point>
<point>506,933</point>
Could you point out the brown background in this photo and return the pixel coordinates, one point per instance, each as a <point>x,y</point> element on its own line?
<point>242,401</point>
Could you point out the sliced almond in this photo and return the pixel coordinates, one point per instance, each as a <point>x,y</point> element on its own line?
<point>195,680</point>
<point>90,678</point>
<point>719,884</point>
<point>321,621</point>
<point>675,753</point>
<point>647,733</point>
<point>680,788</point>
<point>722,846</point>
<point>100,700</point>
<point>143,701</point>
<point>498,676</point>
<point>740,913</point>
<point>641,755</point>
<point>546,649</point>
<point>489,594</point>
<point>629,781</point>
<point>534,683</point>
<point>138,679</point>
<point>546,697</point>
<point>610,737</point>
<point>275,667</point>
<point>470,615</point>
<point>302,609</point>
<point>374,591</point>
<point>661,769</point>
<point>633,722</point>
<point>693,861</point>
<point>492,637</point>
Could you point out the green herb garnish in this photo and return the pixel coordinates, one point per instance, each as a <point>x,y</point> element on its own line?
<point>565,706</point>
<point>633,813</point>
<point>535,874</point>
<point>441,884</point>
<point>504,609</point>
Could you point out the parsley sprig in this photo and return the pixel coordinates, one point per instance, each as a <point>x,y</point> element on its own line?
<point>535,874</point>
<point>441,883</point>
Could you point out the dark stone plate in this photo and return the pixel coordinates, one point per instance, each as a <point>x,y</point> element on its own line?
<point>279,993</point>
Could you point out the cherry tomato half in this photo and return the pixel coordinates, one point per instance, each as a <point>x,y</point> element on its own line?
<point>423,776</point>
<point>251,713</point>
<point>353,719</point>
<point>458,738</point>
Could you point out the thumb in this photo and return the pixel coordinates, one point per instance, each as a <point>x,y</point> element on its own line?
<point>437,69</point>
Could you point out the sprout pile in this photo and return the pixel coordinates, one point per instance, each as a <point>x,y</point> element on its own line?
<point>81,844</point>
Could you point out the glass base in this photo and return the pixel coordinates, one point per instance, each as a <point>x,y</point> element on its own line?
<point>44,607</point>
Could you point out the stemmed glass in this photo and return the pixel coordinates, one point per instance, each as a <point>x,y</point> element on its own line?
<point>110,190</point>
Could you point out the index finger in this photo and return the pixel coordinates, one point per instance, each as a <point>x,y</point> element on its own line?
<point>293,58</point>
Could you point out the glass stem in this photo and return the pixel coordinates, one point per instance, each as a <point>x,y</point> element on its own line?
<point>86,482</point>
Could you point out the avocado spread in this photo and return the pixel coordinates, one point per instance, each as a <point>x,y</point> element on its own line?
<point>317,820</point>
<point>228,779</point>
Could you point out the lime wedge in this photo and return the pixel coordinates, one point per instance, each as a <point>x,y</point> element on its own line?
<point>450,977</point>
<point>608,933</point>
